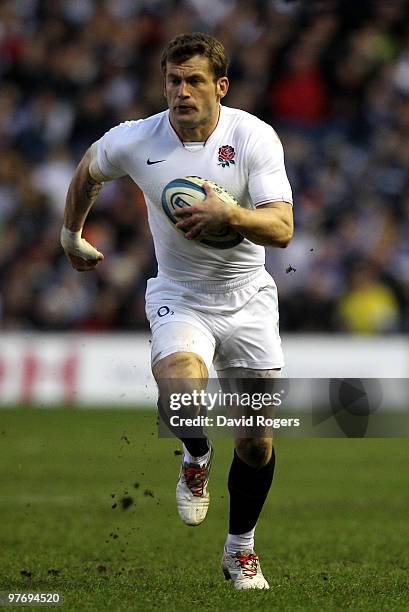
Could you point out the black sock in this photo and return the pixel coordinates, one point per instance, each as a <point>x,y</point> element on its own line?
<point>248,488</point>
<point>197,445</point>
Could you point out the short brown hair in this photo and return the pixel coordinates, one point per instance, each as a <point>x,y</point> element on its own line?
<point>185,46</point>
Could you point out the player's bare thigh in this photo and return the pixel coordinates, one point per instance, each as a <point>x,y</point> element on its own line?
<point>256,452</point>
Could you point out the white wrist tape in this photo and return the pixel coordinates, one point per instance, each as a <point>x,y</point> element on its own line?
<point>75,245</point>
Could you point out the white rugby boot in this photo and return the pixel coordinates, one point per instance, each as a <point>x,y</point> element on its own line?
<point>243,569</point>
<point>192,496</point>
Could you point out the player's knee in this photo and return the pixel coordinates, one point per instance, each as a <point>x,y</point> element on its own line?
<point>176,375</point>
<point>180,365</point>
<point>256,452</point>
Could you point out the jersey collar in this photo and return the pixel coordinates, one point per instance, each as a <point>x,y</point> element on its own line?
<point>208,139</point>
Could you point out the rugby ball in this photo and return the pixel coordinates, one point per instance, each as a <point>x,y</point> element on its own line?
<point>187,191</point>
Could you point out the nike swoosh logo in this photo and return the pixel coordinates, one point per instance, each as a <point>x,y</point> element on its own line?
<point>150,163</point>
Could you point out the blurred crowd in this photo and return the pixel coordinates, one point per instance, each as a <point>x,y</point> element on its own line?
<point>332,77</point>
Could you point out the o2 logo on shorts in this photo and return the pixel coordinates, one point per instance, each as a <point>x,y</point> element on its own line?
<point>164,310</point>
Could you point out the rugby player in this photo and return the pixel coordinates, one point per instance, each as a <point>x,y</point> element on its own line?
<point>206,305</point>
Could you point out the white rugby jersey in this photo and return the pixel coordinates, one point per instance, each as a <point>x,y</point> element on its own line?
<point>243,154</point>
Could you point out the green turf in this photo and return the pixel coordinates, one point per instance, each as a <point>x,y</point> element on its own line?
<point>334,534</point>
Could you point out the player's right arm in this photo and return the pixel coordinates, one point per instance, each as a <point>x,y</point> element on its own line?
<point>104,161</point>
<point>82,193</point>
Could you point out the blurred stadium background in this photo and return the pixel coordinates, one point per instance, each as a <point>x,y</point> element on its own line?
<point>331,77</point>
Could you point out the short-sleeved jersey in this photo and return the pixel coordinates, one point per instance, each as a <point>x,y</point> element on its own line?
<point>243,154</point>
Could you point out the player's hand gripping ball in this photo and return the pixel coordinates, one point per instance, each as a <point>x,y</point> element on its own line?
<point>188,191</point>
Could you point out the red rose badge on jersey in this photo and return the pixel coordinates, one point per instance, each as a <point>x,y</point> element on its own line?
<point>226,156</point>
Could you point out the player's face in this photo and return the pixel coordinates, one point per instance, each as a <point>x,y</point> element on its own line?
<point>193,95</point>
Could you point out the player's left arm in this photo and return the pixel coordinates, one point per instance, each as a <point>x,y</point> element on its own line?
<point>270,224</point>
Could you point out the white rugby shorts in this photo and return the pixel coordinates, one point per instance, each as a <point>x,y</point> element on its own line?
<point>230,324</point>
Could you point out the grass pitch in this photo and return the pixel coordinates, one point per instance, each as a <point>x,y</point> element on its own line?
<point>87,509</point>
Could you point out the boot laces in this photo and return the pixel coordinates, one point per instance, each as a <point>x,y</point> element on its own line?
<point>248,564</point>
<point>195,477</point>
